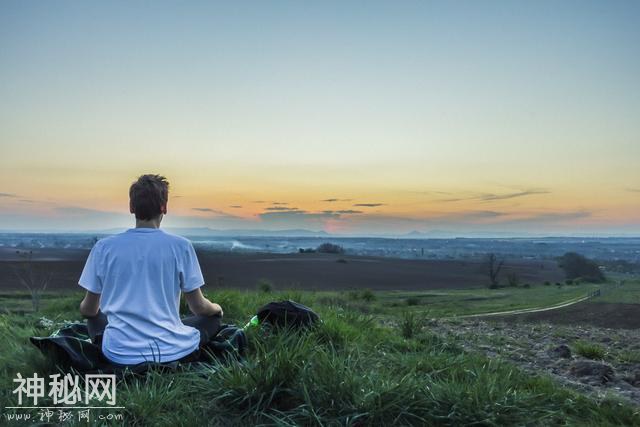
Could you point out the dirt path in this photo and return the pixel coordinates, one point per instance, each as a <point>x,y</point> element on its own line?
<point>528,310</point>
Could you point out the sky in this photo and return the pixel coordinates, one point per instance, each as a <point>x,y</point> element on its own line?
<point>355,118</point>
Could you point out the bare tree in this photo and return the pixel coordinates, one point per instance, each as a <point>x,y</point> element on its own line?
<point>513,279</point>
<point>34,281</point>
<point>493,269</point>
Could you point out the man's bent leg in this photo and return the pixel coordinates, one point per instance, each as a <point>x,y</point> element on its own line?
<point>96,325</point>
<point>209,326</point>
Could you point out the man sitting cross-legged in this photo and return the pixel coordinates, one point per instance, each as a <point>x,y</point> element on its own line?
<point>134,280</point>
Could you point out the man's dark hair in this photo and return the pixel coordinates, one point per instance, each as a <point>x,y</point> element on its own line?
<point>147,195</point>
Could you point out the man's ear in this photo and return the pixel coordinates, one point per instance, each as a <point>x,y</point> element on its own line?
<point>163,209</point>
<point>131,210</point>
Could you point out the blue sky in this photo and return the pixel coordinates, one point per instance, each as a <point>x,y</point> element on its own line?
<point>407,105</point>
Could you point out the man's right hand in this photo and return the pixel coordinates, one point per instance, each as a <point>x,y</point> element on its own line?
<point>217,309</point>
<point>200,306</point>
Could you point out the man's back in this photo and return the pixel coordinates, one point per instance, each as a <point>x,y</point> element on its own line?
<point>140,274</point>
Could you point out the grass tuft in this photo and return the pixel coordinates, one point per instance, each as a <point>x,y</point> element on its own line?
<point>589,350</point>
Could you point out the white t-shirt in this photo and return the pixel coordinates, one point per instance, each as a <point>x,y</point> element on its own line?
<point>140,274</point>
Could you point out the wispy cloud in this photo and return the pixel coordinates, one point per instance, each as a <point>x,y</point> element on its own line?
<point>235,206</point>
<point>297,218</point>
<point>280,208</point>
<point>633,190</point>
<point>271,202</point>
<point>369,205</point>
<point>440,193</point>
<point>473,215</point>
<point>74,210</point>
<point>216,212</point>
<point>7,195</point>
<point>343,212</point>
<point>491,197</point>
<point>336,200</point>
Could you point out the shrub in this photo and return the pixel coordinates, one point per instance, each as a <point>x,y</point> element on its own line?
<point>364,295</point>
<point>413,301</point>
<point>368,295</point>
<point>589,350</point>
<point>409,325</point>
<point>526,286</point>
<point>330,248</point>
<point>513,279</point>
<point>568,282</point>
<point>265,285</point>
<point>547,283</point>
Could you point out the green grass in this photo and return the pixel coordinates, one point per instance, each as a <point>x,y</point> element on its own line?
<point>589,350</point>
<point>628,293</point>
<point>351,370</point>
<point>458,302</point>
<point>628,356</point>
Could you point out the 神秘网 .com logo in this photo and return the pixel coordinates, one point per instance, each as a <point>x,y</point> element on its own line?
<point>71,398</point>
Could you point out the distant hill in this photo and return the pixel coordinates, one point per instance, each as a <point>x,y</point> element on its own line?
<point>206,231</point>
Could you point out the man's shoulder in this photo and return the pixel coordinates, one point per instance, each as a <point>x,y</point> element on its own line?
<point>176,239</point>
<point>105,241</point>
<point>124,238</point>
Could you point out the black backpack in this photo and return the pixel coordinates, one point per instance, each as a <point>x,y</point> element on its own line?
<point>287,314</point>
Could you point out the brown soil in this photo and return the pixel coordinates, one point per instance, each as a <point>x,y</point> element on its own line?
<point>305,271</point>
<point>601,314</point>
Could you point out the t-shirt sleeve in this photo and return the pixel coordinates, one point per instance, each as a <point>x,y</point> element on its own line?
<point>190,273</point>
<point>91,277</point>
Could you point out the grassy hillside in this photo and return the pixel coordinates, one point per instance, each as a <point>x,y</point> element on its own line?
<point>351,370</point>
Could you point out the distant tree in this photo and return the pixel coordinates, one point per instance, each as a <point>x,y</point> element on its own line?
<point>493,269</point>
<point>577,266</point>
<point>513,279</point>
<point>265,286</point>
<point>330,248</point>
